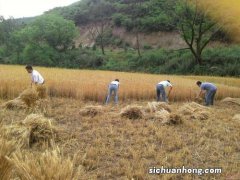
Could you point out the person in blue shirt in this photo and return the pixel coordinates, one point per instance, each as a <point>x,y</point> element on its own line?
<point>210,89</point>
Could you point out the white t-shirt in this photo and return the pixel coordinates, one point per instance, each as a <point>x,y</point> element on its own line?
<point>165,83</point>
<point>115,82</point>
<point>36,77</point>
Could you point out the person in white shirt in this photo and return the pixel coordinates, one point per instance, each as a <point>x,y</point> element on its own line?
<point>161,90</point>
<point>36,77</point>
<point>113,88</point>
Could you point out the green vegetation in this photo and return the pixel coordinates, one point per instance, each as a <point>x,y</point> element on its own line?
<point>48,40</point>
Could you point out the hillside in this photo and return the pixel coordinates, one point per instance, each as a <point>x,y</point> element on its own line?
<point>148,36</point>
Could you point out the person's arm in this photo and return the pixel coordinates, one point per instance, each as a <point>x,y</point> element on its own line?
<point>169,92</point>
<point>200,93</point>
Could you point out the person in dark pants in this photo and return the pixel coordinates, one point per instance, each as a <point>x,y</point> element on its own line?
<point>161,90</point>
<point>113,89</point>
<point>210,89</point>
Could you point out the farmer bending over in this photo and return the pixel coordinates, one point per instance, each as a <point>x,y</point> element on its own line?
<point>210,89</point>
<point>161,90</point>
<point>36,77</point>
<point>113,88</point>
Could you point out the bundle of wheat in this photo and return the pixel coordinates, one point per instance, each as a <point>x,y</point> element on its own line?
<point>29,96</point>
<point>7,147</point>
<point>41,91</point>
<point>230,100</point>
<point>19,133</point>
<point>91,111</point>
<point>132,112</point>
<point>42,106</point>
<point>156,106</point>
<point>15,104</point>
<point>236,117</point>
<point>194,111</point>
<point>175,119</point>
<point>41,130</point>
<point>47,165</point>
<point>162,116</point>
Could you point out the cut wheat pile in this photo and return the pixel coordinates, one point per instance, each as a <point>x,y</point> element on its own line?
<point>91,111</point>
<point>47,165</point>
<point>157,106</point>
<point>6,149</point>
<point>41,91</point>
<point>194,111</point>
<point>15,104</point>
<point>236,117</point>
<point>28,98</point>
<point>34,131</point>
<point>132,112</point>
<point>231,100</point>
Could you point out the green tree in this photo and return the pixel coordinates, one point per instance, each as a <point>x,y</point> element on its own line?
<point>195,27</point>
<point>50,35</point>
<point>101,12</point>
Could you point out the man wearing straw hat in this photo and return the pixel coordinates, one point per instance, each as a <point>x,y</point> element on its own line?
<point>36,77</point>
<point>113,88</point>
<point>210,89</point>
<point>161,90</point>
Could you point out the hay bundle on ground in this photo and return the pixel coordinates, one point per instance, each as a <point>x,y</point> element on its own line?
<point>195,111</point>
<point>167,118</point>
<point>47,165</point>
<point>231,100</point>
<point>91,111</point>
<point>156,106</point>
<point>29,96</point>
<point>162,115</point>
<point>41,130</point>
<point>41,91</point>
<point>236,117</point>
<point>7,147</point>
<point>175,119</point>
<point>15,104</point>
<point>132,112</point>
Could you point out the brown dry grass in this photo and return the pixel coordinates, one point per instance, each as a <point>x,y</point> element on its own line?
<point>108,146</point>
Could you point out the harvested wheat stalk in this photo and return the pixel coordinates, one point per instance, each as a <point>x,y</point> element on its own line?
<point>195,111</point>
<point>231,100</point>
<point>236,117</point>
<point>41,91</point>
<point>29,96</point>
<point>156,106</point>
<point>41,130</point>
<point>15,104</point>
<point>47,165</point>
<point>132,112</point>
<point>91,111</point>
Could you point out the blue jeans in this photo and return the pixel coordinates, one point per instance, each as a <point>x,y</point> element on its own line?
<point>112,89</point>
<point>209,97</point>
<point>161,93</point>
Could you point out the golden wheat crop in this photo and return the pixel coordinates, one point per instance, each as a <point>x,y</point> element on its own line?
<point>92,85</point>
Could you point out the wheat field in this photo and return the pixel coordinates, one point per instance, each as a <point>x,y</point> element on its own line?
<point>92,85</point>
<point>70,136</point>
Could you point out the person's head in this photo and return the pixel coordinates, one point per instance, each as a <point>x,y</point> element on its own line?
<point>29,68</point>
<point>117,80</point>
<point>168,81</point>
<point>199,83</point>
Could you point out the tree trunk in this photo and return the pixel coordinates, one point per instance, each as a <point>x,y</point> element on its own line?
<point>102,47</point>
<point>138,45</point>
